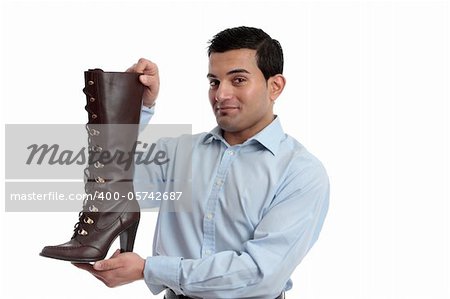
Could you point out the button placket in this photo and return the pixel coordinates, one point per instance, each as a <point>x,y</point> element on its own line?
<point>209,243</point>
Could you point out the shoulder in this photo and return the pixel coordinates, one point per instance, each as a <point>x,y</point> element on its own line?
<point>297,152</point>
<point>303,165</point>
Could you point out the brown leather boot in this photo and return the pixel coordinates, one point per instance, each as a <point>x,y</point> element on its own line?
<point>110,210</point>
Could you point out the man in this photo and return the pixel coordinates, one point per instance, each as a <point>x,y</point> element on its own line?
<point>259,198</point>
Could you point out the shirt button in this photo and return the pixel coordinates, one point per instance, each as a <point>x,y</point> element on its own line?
<point>209,216</point>
<point>208,252</point>
<point>231,153</point>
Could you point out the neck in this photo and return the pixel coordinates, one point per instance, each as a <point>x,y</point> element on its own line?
<point>239,137</point>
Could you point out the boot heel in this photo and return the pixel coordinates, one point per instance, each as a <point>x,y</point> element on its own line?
<point>127,238</point>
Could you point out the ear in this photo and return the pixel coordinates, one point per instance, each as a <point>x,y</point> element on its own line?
<point>276,85</point>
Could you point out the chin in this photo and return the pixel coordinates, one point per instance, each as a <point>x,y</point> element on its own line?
<point>226,126</point>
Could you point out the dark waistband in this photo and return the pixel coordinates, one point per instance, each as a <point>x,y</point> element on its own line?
<point>171,295</point>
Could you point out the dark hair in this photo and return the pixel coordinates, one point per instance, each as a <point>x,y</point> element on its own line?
<point>269,54</point>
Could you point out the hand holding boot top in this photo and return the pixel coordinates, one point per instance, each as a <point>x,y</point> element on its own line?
<point>150,79</point>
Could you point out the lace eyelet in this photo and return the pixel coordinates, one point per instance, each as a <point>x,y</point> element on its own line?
<point>100,180</point>
<point>94,132</point>
<point>88,220</point>
<point>96,148</point>
<point>82,232</point>
<point>98,165</point>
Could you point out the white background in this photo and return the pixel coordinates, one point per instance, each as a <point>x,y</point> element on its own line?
<point>367,92</point>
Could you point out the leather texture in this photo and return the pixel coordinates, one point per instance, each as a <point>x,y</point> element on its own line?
<point>113,106</point>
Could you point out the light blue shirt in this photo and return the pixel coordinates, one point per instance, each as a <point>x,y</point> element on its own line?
<point>256,210</point>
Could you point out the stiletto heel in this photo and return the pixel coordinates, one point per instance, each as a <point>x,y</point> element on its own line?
<point>127,238</point>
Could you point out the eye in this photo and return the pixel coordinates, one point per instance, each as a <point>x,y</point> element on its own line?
<point>213,83</point>
<point>239,80</point>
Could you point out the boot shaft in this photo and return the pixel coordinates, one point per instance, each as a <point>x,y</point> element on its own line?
<point>113,105</point>
<point>113,97</point>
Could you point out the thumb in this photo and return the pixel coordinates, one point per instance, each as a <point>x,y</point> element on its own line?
<point>109,264</point>
<point>146,80</point>
<point>116,253</point>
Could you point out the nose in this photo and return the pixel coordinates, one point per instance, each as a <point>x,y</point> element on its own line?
<point>223,92</point>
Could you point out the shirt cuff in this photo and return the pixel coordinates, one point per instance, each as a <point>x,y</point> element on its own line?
<point>146,114</point>
<point>161,272</point>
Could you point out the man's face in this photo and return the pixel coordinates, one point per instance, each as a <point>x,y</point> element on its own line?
<point>239,94</point>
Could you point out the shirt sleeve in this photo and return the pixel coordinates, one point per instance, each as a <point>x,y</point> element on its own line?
<point>146,114</point>
<point>141,181</point>
<point>285,234</point>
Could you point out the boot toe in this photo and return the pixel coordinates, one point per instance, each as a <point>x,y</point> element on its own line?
<point>73,251</point>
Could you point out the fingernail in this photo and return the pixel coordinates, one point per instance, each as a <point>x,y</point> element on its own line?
<point>98,265</point>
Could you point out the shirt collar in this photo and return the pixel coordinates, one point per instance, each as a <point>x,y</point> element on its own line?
<point>270,137</point>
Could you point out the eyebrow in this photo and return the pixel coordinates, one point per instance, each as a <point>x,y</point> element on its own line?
<point>235,71</point>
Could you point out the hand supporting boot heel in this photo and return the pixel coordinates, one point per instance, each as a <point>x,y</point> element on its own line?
<point>113,105</point>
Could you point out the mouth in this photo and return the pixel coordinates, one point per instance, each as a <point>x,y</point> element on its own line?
<point>225,108</point>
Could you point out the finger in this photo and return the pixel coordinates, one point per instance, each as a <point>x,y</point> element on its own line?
<point>96,274</point>
<point>146,80</point>
<point>146,66</point>
<point>131,69</point>
<point>84,266</point>
<point>116,253</point>
<point>100,277</point>
<point>105,265</point>
<point>89,268</point>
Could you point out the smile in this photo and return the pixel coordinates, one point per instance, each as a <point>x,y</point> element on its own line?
<point>225,108</point>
